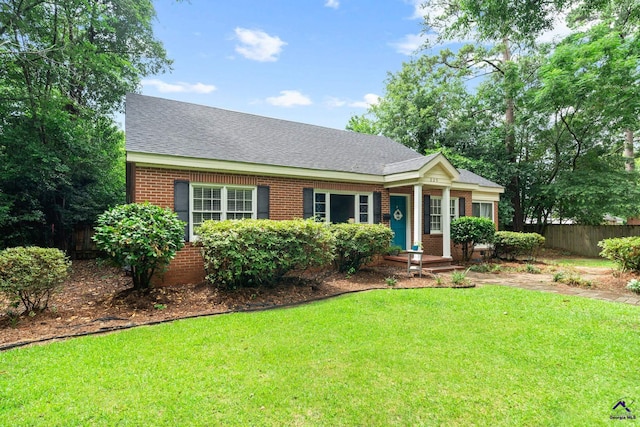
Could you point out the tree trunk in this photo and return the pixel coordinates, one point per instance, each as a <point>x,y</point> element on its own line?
<point>629,157</point>
<point>513,187</point>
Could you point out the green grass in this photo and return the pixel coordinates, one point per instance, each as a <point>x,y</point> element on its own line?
<point>582,262</point>
<point>484,356</point>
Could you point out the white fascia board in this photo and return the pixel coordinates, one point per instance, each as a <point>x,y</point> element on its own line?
<point>189,163</point>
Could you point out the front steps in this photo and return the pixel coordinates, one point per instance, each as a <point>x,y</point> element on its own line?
<point>431,264</point>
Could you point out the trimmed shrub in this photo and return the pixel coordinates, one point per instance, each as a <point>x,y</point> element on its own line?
<point>510,244</point>
<point>31,275</point>
<point>468,231</point>
<point>259,252</point>
<point>140,236</point>
<point>357,244</point>
<point>624,251</point>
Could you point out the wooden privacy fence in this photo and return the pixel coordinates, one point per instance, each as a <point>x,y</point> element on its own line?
<point>583,239</point>
<point>82,247</point>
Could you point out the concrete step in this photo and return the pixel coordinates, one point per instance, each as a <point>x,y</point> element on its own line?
<point>442,269</point>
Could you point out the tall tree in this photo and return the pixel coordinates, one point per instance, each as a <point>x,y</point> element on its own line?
<point>65,67</point>
<point>503,23</point>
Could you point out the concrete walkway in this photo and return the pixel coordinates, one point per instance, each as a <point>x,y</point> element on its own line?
<point>544,284</point>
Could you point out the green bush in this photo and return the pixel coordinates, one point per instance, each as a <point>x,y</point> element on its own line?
<point>30,275</point>
<point>255,252</point>
<point>468,231</point>
<point>140,236</point>
<point>357,244</point>
<point>634,285</point>
<point>624,251</point>
<point>510,244</point>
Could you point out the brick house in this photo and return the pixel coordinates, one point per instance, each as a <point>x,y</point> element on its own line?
<point>207,163</point>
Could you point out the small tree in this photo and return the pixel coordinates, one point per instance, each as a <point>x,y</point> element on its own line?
<point>469,231</point>
<point>141,236</point>
<point>30,275</point>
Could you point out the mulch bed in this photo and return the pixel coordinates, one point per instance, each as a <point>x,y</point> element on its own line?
<point>100,299</point>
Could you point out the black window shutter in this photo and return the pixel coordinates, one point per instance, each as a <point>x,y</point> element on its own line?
<point>130,179</point>
<point>263,202</point>
<point>426,213</point>
<point>181,203</point>
<point>377,207</point>
<point>461,207</point>
<point>307,203</point>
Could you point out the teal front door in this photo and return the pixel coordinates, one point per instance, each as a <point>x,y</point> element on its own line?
<point>399,220</point>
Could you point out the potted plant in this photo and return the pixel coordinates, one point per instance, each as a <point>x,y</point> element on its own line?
<point>417,246</point>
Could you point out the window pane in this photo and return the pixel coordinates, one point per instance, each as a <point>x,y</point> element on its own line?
<point>482,209</point>
<point>435,223</point>
<point>485,210</point>
<point>364,218</point>
<point>436,212</point>
<point>239,203</point>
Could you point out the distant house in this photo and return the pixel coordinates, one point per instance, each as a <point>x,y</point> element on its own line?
<point>207,163</point>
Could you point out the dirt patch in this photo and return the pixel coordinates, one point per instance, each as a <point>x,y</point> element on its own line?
<point>100,299</point>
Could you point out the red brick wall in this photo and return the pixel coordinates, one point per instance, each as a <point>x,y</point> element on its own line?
<point>156,186</point>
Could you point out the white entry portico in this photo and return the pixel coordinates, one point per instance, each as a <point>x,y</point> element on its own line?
<point>435,176</point>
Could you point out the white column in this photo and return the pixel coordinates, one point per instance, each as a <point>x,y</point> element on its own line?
<point>446,222</point>
<point>417,214</point>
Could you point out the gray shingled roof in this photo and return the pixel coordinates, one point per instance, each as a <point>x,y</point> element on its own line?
<point>471,178</point>
<point>161,126</point>
<point>174,128</point>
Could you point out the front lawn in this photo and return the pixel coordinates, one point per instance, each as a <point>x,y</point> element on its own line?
<point>486,356</point>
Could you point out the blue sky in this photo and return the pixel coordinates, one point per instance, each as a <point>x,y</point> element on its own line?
<point>311,61</point>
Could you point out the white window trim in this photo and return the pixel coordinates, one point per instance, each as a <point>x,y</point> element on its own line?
<point>356,207</point>
<point>454,201</point>
<point>486,246</point>
<point>223,201</point>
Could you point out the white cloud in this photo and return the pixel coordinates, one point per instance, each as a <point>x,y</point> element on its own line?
<point>258,45</point>
<point>289,98</point>
<point>367,101</point>
<point>333,102</point>
<point>419,9</point>
<point>411,43</point>
<point>178,87</point>
<point>332,3</point>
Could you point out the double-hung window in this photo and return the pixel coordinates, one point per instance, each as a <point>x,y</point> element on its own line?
<point>435,213</point>
<point>218,202</point>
